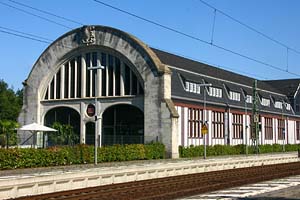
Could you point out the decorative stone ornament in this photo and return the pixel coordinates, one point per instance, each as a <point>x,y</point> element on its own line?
<point>87,35</point>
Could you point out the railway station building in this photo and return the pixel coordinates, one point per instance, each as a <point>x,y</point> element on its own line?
<point>107,82</point>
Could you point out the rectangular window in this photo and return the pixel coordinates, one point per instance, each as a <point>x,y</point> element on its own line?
<point>110,75</point>
<point>298,130</point>
<point>265,102</point>
<point>268,128</point>
<point>288,106</point>
<point>278,104</point>
<point>235,96</point>
<point>79,76</point>
<point>187,86</point>
<point>198,89</point>
<point>117,77</point>
<point>195,120</point>
<point>127,80</point>
<point>217,124</point>
<point>88,75</point>
<point>103,63</point>
<point>237,126</point>
<point>215,92</point>
<point>280,129</point>
<point>72,82</point>
<point>58,78</point>
<point>249,99</point>
<point>66,79</point>
<point>192,87</point>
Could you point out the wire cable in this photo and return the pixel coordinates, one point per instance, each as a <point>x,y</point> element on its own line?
<point>23,36</point>
<point>46,12</point>
<point>196,38</point>
<point>249,27</point>
<point>28,34</point>
<point>38,16</point>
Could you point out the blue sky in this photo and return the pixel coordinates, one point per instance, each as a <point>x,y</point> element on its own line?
<point>278,19</point>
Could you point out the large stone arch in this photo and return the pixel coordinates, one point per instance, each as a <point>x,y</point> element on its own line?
<point>160,113</point>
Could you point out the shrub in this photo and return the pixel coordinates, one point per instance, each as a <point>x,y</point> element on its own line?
<point>217,150</point>
<point>79,154</point>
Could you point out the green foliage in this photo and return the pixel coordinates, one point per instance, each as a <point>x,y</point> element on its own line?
<point>79,154</point>
<point>10,102</point>
<point>8,135</point>
<point>217,150</point>
<point>154,151</point>
<point>65,135</point>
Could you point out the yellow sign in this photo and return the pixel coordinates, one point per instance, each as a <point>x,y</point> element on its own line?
<point>204,129</point>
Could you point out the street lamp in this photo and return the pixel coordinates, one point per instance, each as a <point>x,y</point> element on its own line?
<point>246,126</point>
<point>96,110</point>
<point>283,129</point>
<point>204,110</point>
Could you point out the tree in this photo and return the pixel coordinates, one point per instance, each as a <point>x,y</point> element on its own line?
<point>10,102</point>
<point>65,135</point>
<point>8,135</point>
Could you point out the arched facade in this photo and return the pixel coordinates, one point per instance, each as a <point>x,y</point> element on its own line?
<point>132,74</point>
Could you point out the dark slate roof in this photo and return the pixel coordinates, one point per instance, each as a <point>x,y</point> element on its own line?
<point>219,78</point>
<point>287,86</point>
<point>194,66</point>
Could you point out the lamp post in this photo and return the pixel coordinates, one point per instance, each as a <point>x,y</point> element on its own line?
<point>283,129</point>
<point>96,110</point>
<point>204,110</point>
<point>246,126</point>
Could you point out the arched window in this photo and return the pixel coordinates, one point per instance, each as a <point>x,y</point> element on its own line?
<point>74,79</point>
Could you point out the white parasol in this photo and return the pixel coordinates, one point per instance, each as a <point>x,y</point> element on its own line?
<point>34,128</point>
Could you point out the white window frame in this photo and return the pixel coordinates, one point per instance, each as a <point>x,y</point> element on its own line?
<point>265,102</point>
<point>235,96</point>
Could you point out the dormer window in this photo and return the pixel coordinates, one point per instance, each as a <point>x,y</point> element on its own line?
<point>278,104</point>
<point>215,92</point>
<point>288,106</point>
<point>235,96</point>
<point>192,87</point>
<point>249,98</point>
<point>265,102</point>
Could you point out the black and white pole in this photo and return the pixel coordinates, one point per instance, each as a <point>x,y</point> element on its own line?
<point>96,110</point>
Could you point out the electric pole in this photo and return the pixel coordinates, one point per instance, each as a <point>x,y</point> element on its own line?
<point>255,116</point>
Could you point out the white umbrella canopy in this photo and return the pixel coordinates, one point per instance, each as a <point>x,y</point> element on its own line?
<point>36,127</point>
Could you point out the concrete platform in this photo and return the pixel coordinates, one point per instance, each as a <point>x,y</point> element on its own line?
<point>26,182</point>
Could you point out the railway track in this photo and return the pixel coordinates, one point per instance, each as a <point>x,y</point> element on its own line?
<point>177,186</point>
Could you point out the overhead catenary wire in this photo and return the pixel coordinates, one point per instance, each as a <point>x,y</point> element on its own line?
<point>162,26</point>
<point>213,28</point>
<point>24,36</point>
<point>250,27</point>
<point>196,38</point>
<point>35,15</point>
<point>28,34</point>
<point>46,12</point>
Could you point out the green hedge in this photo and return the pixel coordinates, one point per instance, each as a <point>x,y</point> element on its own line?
<point>217,150</point>
<point>79,154</point>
